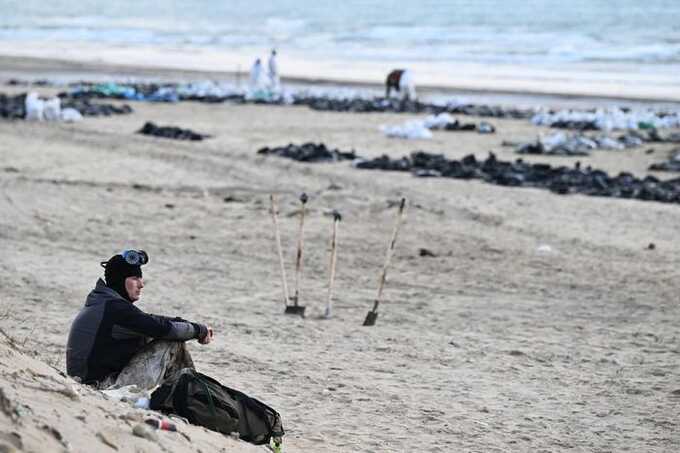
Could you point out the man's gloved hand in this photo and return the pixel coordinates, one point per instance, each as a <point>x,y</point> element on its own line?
<point>208,338</point>
<point>203,333</point>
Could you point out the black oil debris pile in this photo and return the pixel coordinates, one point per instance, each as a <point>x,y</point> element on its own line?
<point>445,122</point>
<point>125,91</point>
<point>363,105</point>
<point>172,132</point>
<point>215,93</point>
<point>672,164</point>
<point>308,152</point>
<point>580,144</point>
<point>558,179</point>
<point>12,107</point>
<point>483,127</point>
<point>88,108</point>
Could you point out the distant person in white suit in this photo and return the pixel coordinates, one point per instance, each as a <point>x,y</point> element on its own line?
<point>401,81</point>
<point>256,76</point>
<point>273,73</point>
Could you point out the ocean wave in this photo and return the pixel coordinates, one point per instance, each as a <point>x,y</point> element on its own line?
<point>427,31</point>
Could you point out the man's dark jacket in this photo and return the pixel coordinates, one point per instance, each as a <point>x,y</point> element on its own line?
<point>109,330</point>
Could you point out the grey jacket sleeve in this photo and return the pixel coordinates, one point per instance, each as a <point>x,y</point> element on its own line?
<point>131,318</point>
<point>181,330</point>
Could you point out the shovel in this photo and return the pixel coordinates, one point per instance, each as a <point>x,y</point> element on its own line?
<point>336,220</point>
<point>278,247</point>
<point>296,309</point>
<point>372,315</point>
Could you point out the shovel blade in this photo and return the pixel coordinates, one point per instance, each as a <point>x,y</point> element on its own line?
<point>371,318</point>
<point>298,310</point>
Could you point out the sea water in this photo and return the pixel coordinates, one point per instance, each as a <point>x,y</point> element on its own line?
<point>591,39</point>
<point>517,31</point>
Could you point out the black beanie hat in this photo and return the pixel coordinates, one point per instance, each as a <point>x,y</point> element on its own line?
<point>116,270</point>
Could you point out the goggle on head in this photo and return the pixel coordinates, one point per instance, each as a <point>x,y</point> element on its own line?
<point>132,257</point>
<point>135,257</point>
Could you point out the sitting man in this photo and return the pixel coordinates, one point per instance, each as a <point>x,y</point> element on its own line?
<point>110,342</point>
<point>401,81</point>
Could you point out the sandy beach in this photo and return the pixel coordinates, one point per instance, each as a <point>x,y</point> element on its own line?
<point>544,323</point>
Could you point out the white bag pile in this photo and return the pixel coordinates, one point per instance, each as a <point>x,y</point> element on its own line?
<point>418,129</point>
<point>609,119</point>
<point>49,110</point>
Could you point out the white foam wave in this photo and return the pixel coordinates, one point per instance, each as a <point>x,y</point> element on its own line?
<point>428,31</point>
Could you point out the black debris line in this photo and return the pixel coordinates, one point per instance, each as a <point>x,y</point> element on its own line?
<point>13,107</point>
<point>170,92</point>
<point>672,164</point>
<point>591,125</point>
<point>559,179</point>
<point>88,108</point>
<point>172,132</point>
<point>483,127</point>
<point>579,144</point>
<point>360,105</point>
<point>309,152</point>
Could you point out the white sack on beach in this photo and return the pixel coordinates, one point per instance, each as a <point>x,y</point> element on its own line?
<point>605,142</point>
<point>438,121</point>
<point>208,88</point>
<point>567,142</point>
<point>544,249</point>
<point>69,115</point>
<point>34,107</point>
<point>52,109</point>
<point>410,130</point>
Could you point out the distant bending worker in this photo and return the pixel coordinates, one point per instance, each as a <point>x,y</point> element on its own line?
<point>112,342</point>
<point>401,81</point>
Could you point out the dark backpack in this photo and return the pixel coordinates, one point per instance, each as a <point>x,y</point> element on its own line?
<point>204,401</point>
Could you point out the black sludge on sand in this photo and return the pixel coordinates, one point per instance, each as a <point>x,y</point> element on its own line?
<point>12,107</point>
<point>88,108</point>
<point>361,105</point>
<point>455,125</point>
<point>308,152</point>
<point>171,92</point>
<point>581,144</point>
<point>172,132</point>
<point>561,180</point>
<point>672,164</point>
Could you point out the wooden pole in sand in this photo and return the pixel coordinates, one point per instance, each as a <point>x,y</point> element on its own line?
<point>296,308</point>
<point>373,314</point>
<point>278,247</point>
<point>334,247</point>
<point>298,258</point>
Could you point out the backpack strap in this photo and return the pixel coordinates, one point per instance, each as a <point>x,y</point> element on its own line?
<point>211,403</point>
<point>179,397</point>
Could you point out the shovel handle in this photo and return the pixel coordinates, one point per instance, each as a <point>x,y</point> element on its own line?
<point>334,248</point>
<point>298,257</point>
<point>278,247</point>
<point>388,255</point>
